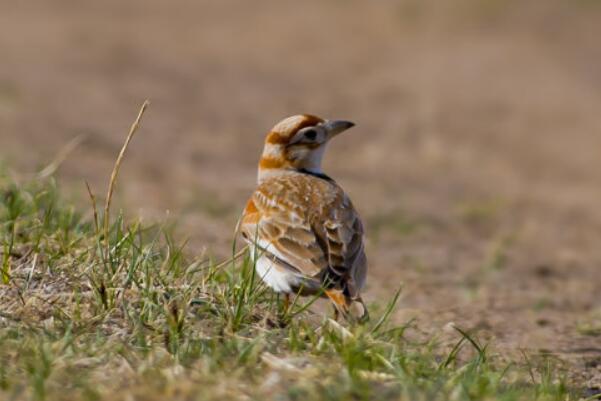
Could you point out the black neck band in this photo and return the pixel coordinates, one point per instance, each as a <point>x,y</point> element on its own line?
<point>314,174</point>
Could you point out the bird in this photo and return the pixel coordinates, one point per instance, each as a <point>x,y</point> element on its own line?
<point>304,234</point>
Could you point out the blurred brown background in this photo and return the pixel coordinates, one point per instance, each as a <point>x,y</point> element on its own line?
<point>476,160</point>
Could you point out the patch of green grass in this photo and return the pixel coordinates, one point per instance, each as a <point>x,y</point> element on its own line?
<point>146,321</point>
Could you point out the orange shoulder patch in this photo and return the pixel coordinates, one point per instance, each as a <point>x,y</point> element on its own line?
<point>250,207</point>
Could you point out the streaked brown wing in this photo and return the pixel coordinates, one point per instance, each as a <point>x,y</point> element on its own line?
<point>311,225</point>
<point>284,233</point>
<point>342,233</point>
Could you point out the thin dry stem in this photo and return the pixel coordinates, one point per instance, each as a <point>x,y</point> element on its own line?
<point>61,157</point>
<point>109,195</point>
<point>94,208</point>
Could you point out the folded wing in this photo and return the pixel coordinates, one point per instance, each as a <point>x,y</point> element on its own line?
<point>310,225</point>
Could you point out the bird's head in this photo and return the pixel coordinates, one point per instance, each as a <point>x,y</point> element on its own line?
<point>298,143</point>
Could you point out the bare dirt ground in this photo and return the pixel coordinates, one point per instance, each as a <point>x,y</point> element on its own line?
<point>476,160</point>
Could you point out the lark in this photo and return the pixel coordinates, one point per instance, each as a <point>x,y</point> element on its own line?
<point>304,234</point>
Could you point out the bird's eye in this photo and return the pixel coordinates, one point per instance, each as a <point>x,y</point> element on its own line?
<point>311,134</point>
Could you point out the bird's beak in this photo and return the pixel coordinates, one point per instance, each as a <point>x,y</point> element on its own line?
<point>335,127</point>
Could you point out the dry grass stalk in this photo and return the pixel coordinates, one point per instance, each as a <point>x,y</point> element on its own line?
<point>94,208</point>
<point>111,188</point>
<point>62,155</point>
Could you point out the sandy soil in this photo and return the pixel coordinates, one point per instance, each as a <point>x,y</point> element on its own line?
<point>476,160</point>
